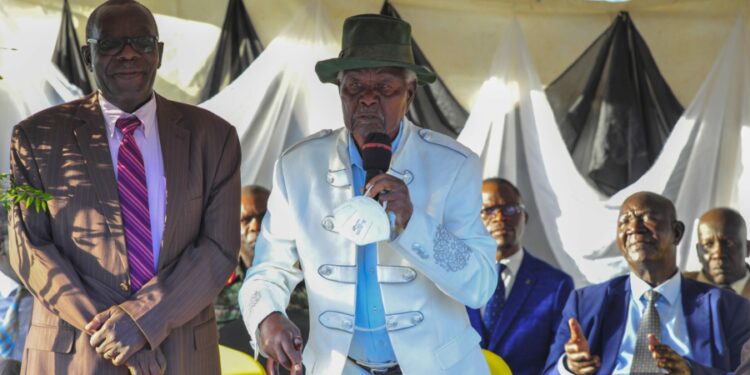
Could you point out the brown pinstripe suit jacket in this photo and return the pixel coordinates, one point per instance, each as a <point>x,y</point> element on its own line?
<point>74,259</point>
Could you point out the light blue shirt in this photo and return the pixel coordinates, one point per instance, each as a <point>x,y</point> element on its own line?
<point>370,342</point>
<point>147,139</point>
<point>669,305</point>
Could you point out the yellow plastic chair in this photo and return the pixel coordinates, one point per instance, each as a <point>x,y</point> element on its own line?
<point>235,362</point>
<point>496,363</point>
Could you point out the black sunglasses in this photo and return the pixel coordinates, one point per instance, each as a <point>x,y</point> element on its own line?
<point>113,46</point>
<point>506,209</point>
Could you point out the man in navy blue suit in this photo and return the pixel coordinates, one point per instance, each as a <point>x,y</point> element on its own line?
<point>653,319</point>
<point>520,320</point>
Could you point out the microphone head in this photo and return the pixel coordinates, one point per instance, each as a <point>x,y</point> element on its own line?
<point>376,154</point>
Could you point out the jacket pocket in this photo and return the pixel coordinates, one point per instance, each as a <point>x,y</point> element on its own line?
<point>206,335</point>
<point>457,348</point>
<point>50,338</point>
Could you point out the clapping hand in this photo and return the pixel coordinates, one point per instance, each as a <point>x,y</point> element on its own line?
<point>577,353</point>
<point>666,358</point>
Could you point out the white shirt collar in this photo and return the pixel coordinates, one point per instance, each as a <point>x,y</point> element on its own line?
<point>670,289</point>
<point>739,285</point>
<point>146,113</point>
<point>513,262</point>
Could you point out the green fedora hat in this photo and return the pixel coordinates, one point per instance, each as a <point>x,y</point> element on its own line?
<point>373,41</point>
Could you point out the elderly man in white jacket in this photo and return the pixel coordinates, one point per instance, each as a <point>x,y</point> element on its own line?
<point>394,306</point>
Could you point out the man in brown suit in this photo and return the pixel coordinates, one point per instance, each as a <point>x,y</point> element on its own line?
<point>90,314</point>
<point>722,248</point>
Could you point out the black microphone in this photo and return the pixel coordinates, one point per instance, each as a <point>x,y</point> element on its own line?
<point>376,155</point>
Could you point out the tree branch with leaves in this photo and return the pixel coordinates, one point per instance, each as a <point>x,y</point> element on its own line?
<point>11,194</point>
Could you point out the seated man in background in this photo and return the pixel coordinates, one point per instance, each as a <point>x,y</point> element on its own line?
<point>232,332</point>
<point>253,206</point>
<point>722,248</point>
<point>652,319</point>
<point>520,319</point>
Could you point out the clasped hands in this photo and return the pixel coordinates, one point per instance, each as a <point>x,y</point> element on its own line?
<point>578,358</point>
<point>115,336</point>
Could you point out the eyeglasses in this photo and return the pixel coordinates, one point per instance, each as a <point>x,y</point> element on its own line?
<point>507,210</point>
<point>113,46</point>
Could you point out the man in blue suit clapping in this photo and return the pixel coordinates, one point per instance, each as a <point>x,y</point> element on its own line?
<point>520,319</point>
<point>652,320</point>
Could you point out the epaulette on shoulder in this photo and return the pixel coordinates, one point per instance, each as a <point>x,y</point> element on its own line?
<point>319,135</point>
<point>443,140</point>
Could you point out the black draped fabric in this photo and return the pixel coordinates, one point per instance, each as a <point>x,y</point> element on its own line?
<point>614,109</point>
<point>67,54</point>
<point>239,46</point>
<point>434,107</point>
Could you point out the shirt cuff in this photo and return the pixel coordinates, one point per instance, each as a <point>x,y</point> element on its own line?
<point>561,368</point>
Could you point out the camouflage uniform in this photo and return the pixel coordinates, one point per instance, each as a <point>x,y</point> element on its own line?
<point>225,306</point>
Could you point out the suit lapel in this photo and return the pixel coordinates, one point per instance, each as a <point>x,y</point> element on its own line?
<point>698,320</point>
<point>175,150</point>
<point>400,160</point>
<point>522,287</point>
<point>91,137</point>
<point>615,310</point>
<point>339,174</point>
<point>475,318</point>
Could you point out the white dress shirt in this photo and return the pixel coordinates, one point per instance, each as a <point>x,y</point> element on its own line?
<point>739,285</point>
<point>512,265</point>
<point>147,138</point>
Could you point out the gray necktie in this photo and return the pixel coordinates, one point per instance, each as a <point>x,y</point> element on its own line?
<point>643,362</point>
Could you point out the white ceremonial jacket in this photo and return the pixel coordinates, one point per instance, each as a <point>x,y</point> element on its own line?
<point>444,259</point>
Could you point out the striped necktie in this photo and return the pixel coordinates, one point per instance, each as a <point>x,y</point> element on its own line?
<point>497,301</point>
<point>643,361</point>
<point>133,193</point>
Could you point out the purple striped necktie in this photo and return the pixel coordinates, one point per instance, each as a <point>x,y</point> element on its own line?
<point>131,186</point>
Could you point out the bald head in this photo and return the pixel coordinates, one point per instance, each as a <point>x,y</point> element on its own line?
<point>724,217</point>
<point>647,235</point>
<point>722,245</point>
<point>92,24</point>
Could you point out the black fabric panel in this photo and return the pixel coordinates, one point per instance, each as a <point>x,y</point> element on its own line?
<point>238,47</point>
<point>614,109</point>
<point>67,53</point>
<point>434,106</point>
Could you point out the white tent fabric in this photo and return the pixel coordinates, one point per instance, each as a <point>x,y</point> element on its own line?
<point>278,99</point>
<point>31,82</point>
<point>572,224</point>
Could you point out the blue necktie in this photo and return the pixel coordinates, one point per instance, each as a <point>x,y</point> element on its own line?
<point>497,301</point>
